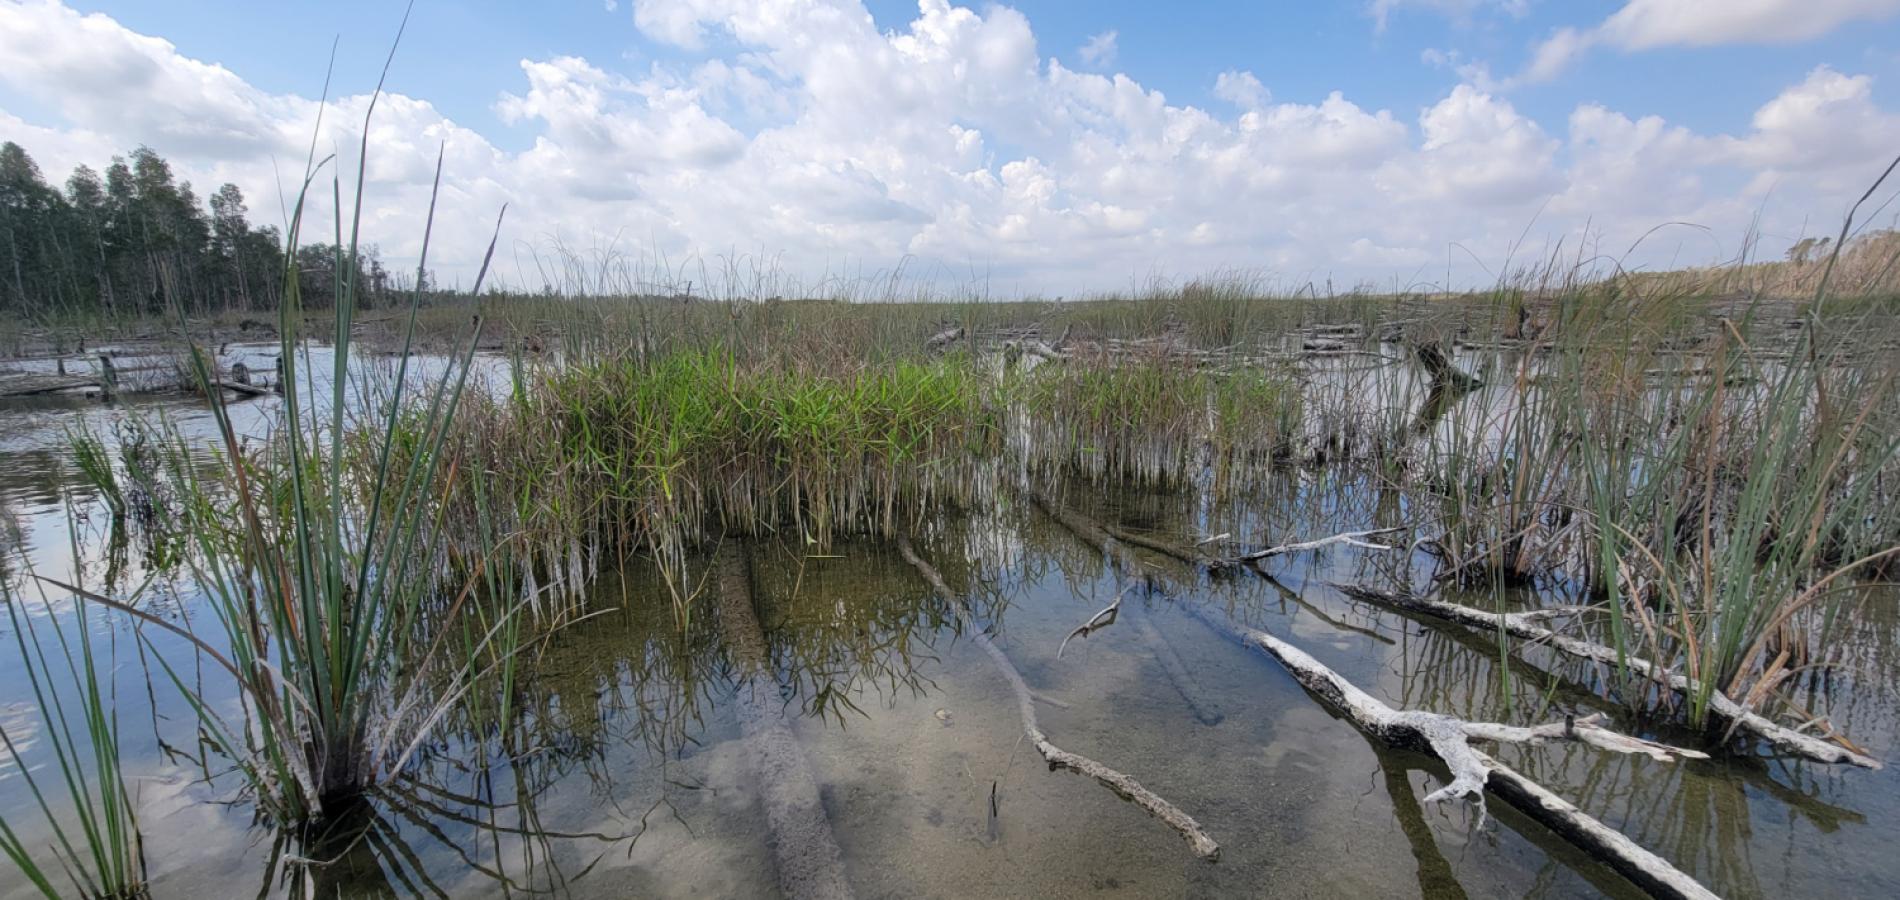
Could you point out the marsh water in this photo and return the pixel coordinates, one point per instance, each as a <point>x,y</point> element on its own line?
<point>633,779</point>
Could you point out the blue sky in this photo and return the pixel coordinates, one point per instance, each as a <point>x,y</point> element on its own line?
<point>1446,131</point>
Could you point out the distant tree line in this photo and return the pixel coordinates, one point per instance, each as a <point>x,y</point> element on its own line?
<point>138,242</point>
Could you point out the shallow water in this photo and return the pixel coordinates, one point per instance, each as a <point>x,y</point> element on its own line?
<point>631,777</point>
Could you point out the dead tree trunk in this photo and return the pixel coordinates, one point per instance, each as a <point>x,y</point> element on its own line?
<point>804,852</point>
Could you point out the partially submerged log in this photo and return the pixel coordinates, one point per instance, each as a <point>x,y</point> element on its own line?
<point>804,852</point>
<point>1474,771</point>
<point>1449,739</point>
<point>1526,627</point>
<point>1349,538</point>
<point>1125,787</point>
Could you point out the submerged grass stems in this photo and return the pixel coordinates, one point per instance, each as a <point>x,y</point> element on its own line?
<point>89,817</point>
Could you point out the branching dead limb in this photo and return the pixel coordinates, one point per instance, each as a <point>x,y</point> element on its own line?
<point>1524,626</point>
<point>1095,623</point>
<point>1125,787</point>
<point>1110,539</point>
<point>1473,771</point>
<point>1449,738</point>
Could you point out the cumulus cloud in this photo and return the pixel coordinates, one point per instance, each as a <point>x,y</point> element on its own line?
<point>815,139</point>
<point>1241,89</point>
<point>1099,51</point>
<point>1653,24</point>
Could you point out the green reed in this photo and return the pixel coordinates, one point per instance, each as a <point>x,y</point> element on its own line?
<point>91,814</point>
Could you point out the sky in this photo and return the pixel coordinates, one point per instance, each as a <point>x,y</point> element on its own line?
<point>1036,148</point>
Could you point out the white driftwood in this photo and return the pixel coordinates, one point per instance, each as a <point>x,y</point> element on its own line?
<point>1473,771</point>
<point>1095,623</point>
<point>1449,738</point>
<point>1349,538</point>
<point>1524,625</point>
<point>1125,787</point>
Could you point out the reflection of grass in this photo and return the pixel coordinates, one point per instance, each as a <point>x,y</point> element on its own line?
<point>95,832</point>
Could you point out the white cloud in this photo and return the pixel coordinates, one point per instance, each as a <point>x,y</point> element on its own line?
<point>1462,11</point>
<point>1653,24</point>
<point>821,142</point>
<point>1241,89</point>
<point>1099,52</point>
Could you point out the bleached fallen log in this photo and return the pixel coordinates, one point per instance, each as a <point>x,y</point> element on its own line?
<point>1526,627</point>
<point>1349,538</point>
<point>1125,787</point>
<point>804,853</point>
<point>1449,738</point>
<point>1474,771</point>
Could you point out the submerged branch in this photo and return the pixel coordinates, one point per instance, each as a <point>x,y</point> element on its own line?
<point>1450,738</point>
<point>1474,771</point>
<point>1524,625</point>
<point>1125,787</point>
<point>1095,623</point>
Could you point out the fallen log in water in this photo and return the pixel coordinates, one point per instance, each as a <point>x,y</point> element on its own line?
<point>1524,625</point>
<point>804,852</point>
<point>1449,739</point>
<point>1474,771</point>
<point>1125,787</point>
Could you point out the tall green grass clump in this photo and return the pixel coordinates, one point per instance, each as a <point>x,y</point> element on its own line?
<point>655,455</point>
<point>321,575</point>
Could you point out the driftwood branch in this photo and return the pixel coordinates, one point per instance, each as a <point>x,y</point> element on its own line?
<point>1109,540</point>
<point>1125,787</point>
<point>1474,771</point>
<point>1525,626</point>
<point>1349,538</point>
<point>1450,738</point>
<point>1095,623</point>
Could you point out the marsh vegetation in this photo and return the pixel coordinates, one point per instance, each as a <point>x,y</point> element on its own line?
<point>610,585</point>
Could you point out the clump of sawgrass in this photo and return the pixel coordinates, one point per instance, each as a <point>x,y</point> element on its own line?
<point>87,810</point>
<point>657,455</point>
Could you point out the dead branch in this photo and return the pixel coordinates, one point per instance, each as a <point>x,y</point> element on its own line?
<point>1473,771</point>
<point>1125,787</point>
<point>1349,538</point>
<point>1095,623</point>
<point>1450,738</point>
<point>1524,625</point>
